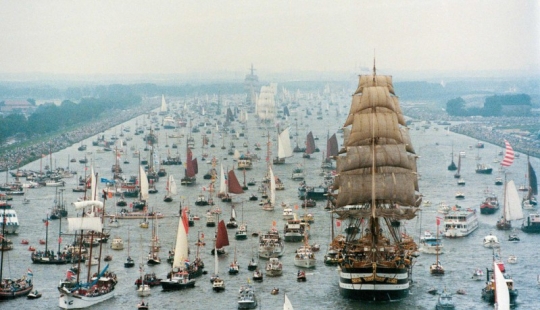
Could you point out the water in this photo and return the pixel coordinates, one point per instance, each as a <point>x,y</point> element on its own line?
<point>321,289</point>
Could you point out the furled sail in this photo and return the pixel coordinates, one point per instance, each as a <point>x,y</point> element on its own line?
<point>84,223</point>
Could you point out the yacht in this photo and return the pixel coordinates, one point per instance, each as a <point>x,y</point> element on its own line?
<point>430,244</point>
<point>10,219</point>
<point>460,222</point>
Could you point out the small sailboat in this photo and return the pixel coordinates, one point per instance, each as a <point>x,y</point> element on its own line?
<point>436,268</point>
<point>511,207</point>
<point>129,263</point>
<point>218,284</point>
<point>170,188</point>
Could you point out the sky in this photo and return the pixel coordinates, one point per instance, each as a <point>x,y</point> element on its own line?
<point>159,37</point>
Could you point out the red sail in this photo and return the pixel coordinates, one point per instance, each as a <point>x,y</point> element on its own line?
<point>508,155</point>
<point>195,166</point>
<point>185,219</point>
<point>332,147</point>
<point>190,169</point>
<point>222,237</point>
<point>234,185</point>
<point>310,143</point>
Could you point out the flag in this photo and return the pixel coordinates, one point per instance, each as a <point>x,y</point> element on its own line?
<point>296,207</point>
<point>202,236</point>
<point>29,272</point>
<point>438,221</point>
<point>46,222</point>
<point>70,275</point>
<point>338,223</point>
<point>60,240</point>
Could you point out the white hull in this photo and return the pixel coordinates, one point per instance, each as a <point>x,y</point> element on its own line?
<point>68,301</point>
<point>431,249</point>
<point>305,263</point>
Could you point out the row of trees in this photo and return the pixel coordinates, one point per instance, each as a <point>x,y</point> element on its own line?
<point>50,117</point>
<point>493,106</point>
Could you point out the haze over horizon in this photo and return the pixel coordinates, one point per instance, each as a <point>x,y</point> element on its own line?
<point>160,39</point>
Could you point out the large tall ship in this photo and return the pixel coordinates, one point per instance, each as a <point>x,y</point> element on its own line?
<point>374,191</point>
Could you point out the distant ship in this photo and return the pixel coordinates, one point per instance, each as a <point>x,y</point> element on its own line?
<point>374,190</point>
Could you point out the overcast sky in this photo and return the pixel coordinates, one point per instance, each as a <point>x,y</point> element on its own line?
<point>170,37</point>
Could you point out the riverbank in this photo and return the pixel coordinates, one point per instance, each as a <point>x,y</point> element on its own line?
<point>19,154</point>
<point>522,132</point>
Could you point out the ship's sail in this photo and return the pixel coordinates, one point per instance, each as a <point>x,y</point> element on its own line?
<point>222,238</point>
<point>512,204</point>
<point>533,183</point>
<point>191,164</point>
<point>181,248</point>
<point>376,187</point>
<point>234,185</point>
<point>310,143</point>
<point>143,183</point>
<point>163,109</point>
<point>508,155</point>
<point>332,145</point>
<point>266,106</point>
<point>272,186</point>
<point>284,144</point>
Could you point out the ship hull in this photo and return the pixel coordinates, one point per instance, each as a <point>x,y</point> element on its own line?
<point>69,301</point>
<point>354,283</point>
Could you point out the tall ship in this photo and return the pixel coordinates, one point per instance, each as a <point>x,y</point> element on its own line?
<point>266,105</point>
<point>376,188</point>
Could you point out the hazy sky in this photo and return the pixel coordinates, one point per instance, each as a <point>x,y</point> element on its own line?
<point>177,36</point>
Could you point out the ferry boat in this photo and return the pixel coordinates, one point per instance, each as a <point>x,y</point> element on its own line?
<point>271,244</point>
<point>10,219</point>
<point>460,222</point>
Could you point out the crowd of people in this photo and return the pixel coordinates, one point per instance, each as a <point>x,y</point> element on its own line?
<point>488,129</point>
<point>19,156</point>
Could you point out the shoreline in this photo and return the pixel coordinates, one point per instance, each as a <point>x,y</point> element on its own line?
<point>39,146</point>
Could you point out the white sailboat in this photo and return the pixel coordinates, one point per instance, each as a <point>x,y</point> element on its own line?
<point>171,189</point>
<point>73,292</point>
<point>163,109</point>
<point>511,208</point>
<point>178,278</point>
<point>271,201</point>
<point>284,147</point>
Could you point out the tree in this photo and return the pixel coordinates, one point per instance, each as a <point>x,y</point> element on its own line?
<point>456,107</point>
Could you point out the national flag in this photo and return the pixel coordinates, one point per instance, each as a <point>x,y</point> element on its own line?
<point>338,223</point>
<point>47,222</point>
<point>70,275</point>
<point>60,240</point>
<point>438,221</point>
<point>29,272</point>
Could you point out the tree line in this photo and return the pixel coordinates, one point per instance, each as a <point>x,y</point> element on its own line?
<point>519,105</point>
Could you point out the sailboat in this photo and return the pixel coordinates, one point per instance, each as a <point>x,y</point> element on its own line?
<point>13,288</point>
<point>511,207</point>
<point>452,166</point>
<point>222,239</point>
<point>170,188</point>
<point>178,278</point>
<point>457,175</point>
<point>75,294</point>
<point>376,186</point>
<point>191,169</point>
<point>529,201</point>
<point>153,257</point>
<point>310,146</point>
<point>436,268</point>
<point>129,261</point>
<point>284,147</point>
<point>232,221</point>
<point>270,202</point>
<point>331,152</point>
<point>241,231</point>
<point>49,257</point>
<point>163,110</point>
<point>218,284</point>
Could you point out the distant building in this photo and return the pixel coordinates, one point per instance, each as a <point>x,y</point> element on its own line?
<point>251,87</point>
<point>11,106</point>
